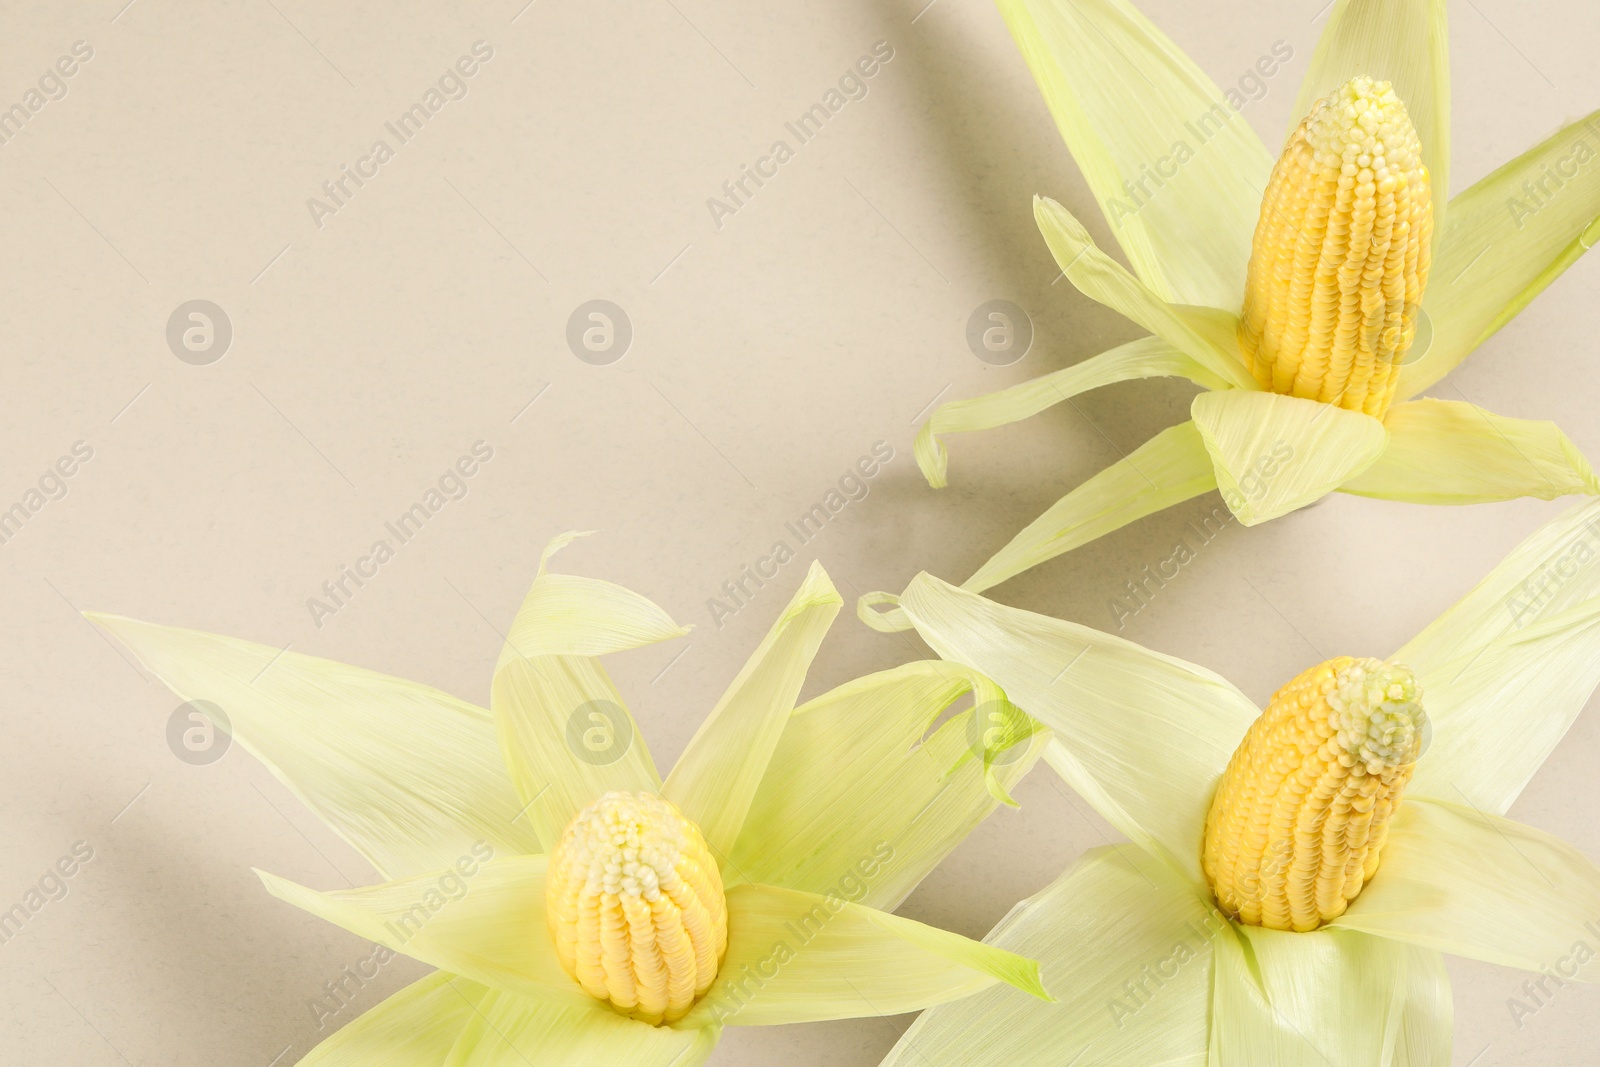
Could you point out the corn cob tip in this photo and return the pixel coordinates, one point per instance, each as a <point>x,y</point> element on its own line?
<point>1377,708</point>
<point>1298,822</point>
<point>635,906</point>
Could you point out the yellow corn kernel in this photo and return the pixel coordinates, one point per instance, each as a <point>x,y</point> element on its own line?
<point>1300,817</point>
<point>1341,253</point>
<point>635,906</point>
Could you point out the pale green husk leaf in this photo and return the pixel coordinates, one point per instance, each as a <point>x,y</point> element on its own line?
<point>1505,671</point>
<point>1205,333</point>
<point>570,615</point>
<point>1449,452</point>
<point>1275,453</point>
<point>1142,736</point>
<point>1460,880</point>
<point>1544,576</point>
<point>1171,467</point>
<point>856,801</point>
<point>409,776</point>
<point>560,720</point>
<point>1328,997</point>
<point>1129,104</point>
<point>719,772</point>
<point>1504,245</point>
<point>415,1027</point>
<point>1116,918</point>
<point>512,1031</point>
<point>802,957</point>
<point>488,926</point>
<point>1148,357</point>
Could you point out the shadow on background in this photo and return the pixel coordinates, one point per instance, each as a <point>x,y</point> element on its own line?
<point>996,149</point>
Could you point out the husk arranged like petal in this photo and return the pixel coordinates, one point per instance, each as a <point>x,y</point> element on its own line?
<point>1203,333</point>
<point>488,926</point>
<point>1142,736</point>
<point>416,1027</point>
<point>409,776</point>
<point>1275,453</point>
<point>720,771</point>
<point>572,615</point>
<point>857,802</point>
<point>803,957</point>
<point>511,1031</point>
<point>1503,684</point>
<point>1124,96</point>
<point>1502,247</point>
<point>1508,668</point>
<point>1115,918</point>
<point>550,691</point>
<point>1449,452</point>
<point>1171,467</point>
<point>1503,712</point>
<point>1148,357</point>
<point>1459,880</point>
<point>1328,997</point>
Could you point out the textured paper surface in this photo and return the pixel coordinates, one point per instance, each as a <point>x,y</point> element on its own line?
<point>376,341</point>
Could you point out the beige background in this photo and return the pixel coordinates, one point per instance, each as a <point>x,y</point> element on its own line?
<point>767,356</point>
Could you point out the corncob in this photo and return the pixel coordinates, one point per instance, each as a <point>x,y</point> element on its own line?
<point>1299,820</point>
<point>1341,253</point>
<point>635,906</point>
